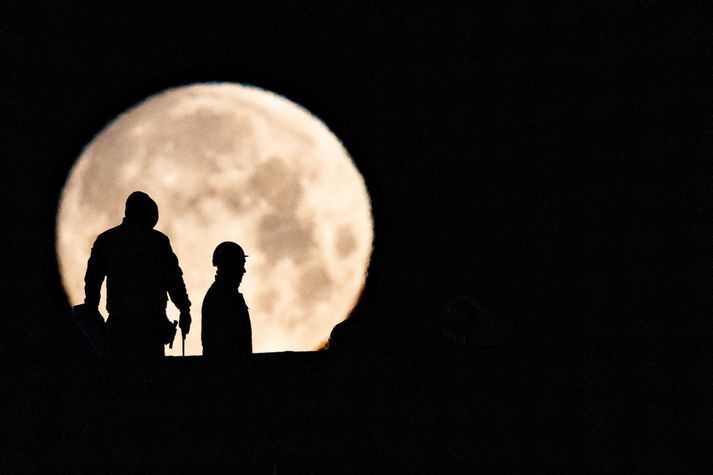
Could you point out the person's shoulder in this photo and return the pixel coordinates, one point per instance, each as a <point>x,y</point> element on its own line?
<point>108,234</point>
<point>158,236</point>
<point>220,291</point>
<point>214,288</point>
<point>212,296</point>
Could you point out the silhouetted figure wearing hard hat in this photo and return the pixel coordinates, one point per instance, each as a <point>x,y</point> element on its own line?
<point>141,270</point>
<point>226,330</point>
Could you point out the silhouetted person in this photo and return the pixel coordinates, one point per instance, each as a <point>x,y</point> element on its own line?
<point>141,270</point>
<point>465,323</point>
<point>226,330</point>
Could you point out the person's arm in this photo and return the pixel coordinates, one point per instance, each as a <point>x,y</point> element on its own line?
<point>177,288</point>
<point>207,316</point>
<point>93,278</point>
<point>246,326</point>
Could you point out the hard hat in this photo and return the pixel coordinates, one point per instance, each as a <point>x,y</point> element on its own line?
<point>228,253</point>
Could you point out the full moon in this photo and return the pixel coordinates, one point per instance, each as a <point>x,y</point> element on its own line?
<point>227,162</point>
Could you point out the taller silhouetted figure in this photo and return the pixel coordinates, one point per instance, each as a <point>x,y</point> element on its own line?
<point>226,329</point>
<point>141,271</point>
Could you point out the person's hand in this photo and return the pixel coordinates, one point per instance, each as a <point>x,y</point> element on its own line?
<point>184,322</point>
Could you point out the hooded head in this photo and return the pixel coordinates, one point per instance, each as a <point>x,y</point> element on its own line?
<point>141,209</point>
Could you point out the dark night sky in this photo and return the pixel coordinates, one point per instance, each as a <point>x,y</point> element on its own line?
<point>553,161</point>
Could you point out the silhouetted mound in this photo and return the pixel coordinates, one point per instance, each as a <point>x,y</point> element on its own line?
<point>493,409</point>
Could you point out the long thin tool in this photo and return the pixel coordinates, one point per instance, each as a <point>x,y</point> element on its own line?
<point>175,324</point>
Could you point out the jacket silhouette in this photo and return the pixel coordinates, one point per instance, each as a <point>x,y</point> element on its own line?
<point>141,271</point>
<point>225,326</point>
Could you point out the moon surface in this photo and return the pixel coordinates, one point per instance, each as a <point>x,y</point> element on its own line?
<point>227,162</point>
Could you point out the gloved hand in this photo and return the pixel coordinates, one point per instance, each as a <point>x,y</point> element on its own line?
<point>184,322</point>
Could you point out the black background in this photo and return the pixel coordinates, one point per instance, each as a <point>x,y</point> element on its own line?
<point>554,161</point>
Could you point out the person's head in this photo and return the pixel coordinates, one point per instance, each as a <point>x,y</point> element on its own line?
<point>229,258</point>
<point>141,209</point>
